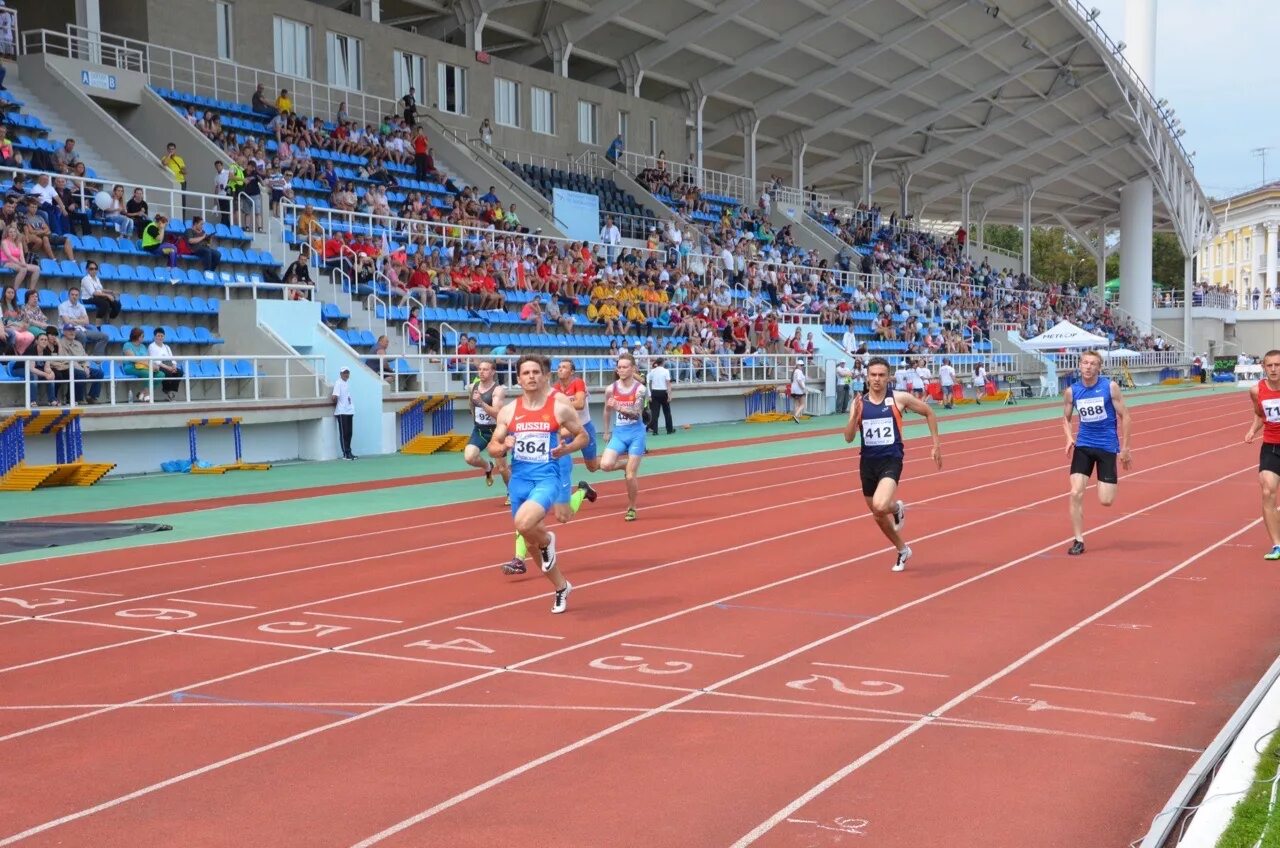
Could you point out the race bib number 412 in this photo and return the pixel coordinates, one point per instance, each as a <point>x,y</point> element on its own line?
<point>878,432</point>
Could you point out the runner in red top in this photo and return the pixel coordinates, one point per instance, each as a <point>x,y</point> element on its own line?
<point>1266,417</point>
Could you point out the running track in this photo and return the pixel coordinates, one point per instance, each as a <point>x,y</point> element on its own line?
<point>738,667</point>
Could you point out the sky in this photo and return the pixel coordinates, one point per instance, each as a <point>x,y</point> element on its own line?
<point>1216,65</point>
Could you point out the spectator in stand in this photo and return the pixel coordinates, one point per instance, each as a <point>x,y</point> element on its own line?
<point>299,274</point>
<point>142,366</point>
<point>137,210</point>
<point>49,205</point>
<point>421,165</point>
<point>105,302</point>
<point>66,158</point>
<point>71,312</point>
<point>409,105</point>
<point>154,242</point>
<point>163,361</point>
<point>33,316</point>
<point>88,376</point>
<point>200,245</point>
<point>250,199</point>
<point>35,230</point>
<point>40,367</point>
<point>259,102</point>
<point>17,336</point>
<point>283,103</point>
<point>13,256</point>
<point>175,165</point>
<point>614,153</point>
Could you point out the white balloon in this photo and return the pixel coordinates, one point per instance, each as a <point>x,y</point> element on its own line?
<point>102,200</point>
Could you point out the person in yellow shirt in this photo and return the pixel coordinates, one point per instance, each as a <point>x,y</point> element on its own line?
<point>283,103</point>
<point>599,291</point>
<point>634,315</point>
<point>175,165</point>
<point>593,310</point>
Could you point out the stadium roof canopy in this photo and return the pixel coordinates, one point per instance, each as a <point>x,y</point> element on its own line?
<point>1002,97</point>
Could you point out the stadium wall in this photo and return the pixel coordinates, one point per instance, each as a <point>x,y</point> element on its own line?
<point>189,25</point>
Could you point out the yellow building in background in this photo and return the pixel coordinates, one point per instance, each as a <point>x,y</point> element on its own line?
<point>1244,255</point>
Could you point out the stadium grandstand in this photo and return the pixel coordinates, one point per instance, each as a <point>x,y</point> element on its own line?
<point>238,235</point>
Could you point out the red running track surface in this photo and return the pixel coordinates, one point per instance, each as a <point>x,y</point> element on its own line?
<point>738,667</point>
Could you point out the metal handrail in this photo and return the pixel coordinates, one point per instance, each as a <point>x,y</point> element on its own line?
<point>113,381</point>
<point>228,80</point>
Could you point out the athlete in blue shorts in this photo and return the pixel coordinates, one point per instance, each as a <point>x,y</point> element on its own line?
<point>1097,400</point>
<point>625,398</point>
<point>574,388</point>
<point>528,428</point>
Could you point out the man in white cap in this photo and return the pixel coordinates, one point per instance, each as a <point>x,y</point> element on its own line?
<point>344,411</point>
<point>799,386</point>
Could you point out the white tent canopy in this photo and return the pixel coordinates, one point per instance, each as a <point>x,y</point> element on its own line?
<point>1121,353</point>
<point>1066,335</point>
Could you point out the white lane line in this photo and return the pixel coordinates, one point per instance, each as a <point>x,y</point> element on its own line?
<point>347,648</point>
<point>683,650</point>
<point>80,591</point>
<point>508,632</point>
<point>1117,694</point>
<point>678,702</point>
<point>351,617</point>
<point>34,663</point>
<point>772,822</point>
<point>839,475</point>
<point>985,437</point>
<point>209,603</point>
<point>885,670</point>
<point>607,731</point>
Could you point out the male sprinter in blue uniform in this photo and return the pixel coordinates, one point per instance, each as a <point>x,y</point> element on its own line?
<point>570,499</point>
<point>625,398</point>
<point>529,428</point>
<point>1098,402</point>
<point>877,416</point>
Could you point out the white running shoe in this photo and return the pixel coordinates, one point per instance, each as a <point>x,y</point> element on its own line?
<point>548,554</point>
<point>899,515</point>
<point>903,556</point>
<point>561,603</point>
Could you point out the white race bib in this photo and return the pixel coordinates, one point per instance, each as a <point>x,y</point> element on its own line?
<point>483,418</point>
<point>533,446</point>
<point>878,432</point>
<point>1091,410</point>
<point>1271,410</point>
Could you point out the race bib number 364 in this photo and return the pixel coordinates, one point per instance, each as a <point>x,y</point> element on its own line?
<point>533,447</point>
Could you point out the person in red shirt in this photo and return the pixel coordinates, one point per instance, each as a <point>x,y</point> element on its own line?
<point>1265,397</point>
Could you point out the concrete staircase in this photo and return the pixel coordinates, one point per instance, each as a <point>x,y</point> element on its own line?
<point>61,129</point>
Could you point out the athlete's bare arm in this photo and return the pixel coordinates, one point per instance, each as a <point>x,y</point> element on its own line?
<point>498,444</point>
<point>1122,416</point>
<point>1068,410</point>
<point>1256,426</point>
<point>854,424</point>
<point>499,398</point>
<point>909,401</point>
<point>580,399</point>
<point>569,422</point>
